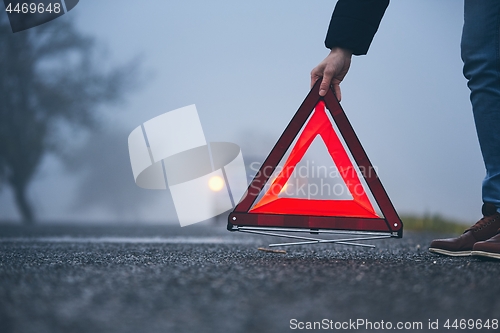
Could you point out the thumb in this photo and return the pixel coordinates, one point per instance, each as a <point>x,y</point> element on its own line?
<point>336,89</point>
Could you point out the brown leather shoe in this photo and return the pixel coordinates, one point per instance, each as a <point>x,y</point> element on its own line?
<point>489,248</point>
<point>484,229</point>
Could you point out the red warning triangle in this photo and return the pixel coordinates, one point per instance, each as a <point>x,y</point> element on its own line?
<point>359,206</point>
<point>311,122</point>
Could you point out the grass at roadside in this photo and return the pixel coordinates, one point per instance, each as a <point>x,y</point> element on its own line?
<point>434,223</point>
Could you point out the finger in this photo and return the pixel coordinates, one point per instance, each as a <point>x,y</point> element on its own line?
<point>314,77</point>
<point>336,89</point>
<point>325,84</point>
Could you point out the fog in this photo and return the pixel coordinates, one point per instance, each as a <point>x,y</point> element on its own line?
<point>246,67</point>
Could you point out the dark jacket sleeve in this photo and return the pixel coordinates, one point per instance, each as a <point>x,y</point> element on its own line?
<point>354,23</point>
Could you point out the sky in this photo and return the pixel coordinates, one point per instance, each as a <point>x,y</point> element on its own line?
<point>246,65</point>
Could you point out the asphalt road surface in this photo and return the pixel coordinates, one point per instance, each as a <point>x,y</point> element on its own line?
<point>205,279</point>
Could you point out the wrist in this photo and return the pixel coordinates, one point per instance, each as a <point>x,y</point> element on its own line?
<point>341,51</point>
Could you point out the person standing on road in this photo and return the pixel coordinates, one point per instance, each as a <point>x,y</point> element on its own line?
<point>351,31</point>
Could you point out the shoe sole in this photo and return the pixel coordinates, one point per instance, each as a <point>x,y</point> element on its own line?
<point>486,254</point>
<point>450,253</point>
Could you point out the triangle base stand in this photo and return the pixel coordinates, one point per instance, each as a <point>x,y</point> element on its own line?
<point>302,240</point>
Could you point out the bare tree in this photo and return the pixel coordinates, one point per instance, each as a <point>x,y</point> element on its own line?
<point>50,77</point>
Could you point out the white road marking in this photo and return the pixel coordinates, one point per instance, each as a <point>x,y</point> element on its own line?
<point>131,240</point>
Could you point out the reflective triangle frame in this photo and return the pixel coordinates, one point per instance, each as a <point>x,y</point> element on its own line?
<point>242,219</point>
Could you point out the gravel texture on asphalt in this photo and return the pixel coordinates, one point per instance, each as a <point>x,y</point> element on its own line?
<point>205,279</point>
